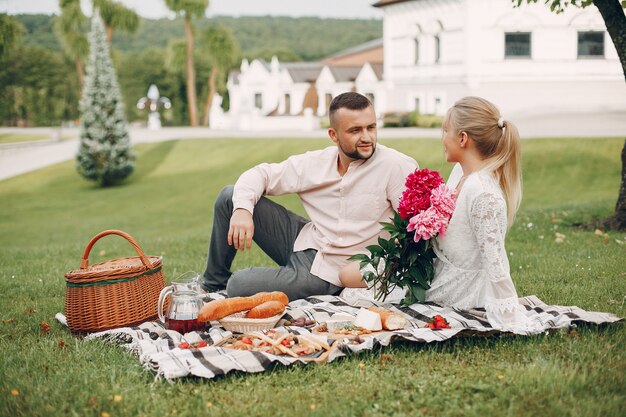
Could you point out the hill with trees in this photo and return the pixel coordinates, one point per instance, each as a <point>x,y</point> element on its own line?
<point>305,39</point>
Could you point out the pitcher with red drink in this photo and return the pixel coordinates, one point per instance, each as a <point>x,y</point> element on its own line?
<point>184,304</point>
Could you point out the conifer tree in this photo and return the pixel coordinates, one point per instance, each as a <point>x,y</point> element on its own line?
<point>105,154</point>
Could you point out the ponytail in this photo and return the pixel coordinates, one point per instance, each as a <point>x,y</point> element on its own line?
<point>506,166</point>
<point>497,140</point>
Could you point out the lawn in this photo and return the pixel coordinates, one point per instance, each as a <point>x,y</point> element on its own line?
<point>21,137</point>
<point>47,217</point>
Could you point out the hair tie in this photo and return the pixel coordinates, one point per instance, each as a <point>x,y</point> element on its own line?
<point>501,122</point>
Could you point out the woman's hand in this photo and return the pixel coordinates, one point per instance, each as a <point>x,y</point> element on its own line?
<point>241,229</point>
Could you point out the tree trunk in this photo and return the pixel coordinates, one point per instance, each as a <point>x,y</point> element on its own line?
<point>210,95</point>
<point>615,20</point>
<point>618,221</point>
<point>109,30</point>
<point>191,74</point>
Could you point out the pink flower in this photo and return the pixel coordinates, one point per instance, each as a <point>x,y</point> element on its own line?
<point>416,197</point>
<point>426,224</point>
<point>434,219</point>
<point>443,200</point>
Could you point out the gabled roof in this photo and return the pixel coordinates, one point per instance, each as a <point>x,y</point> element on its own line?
<point>301,72</point>
<point>345,73</point>
<point>375,43</point>
<point>383,3</point>
<point>378,70</point>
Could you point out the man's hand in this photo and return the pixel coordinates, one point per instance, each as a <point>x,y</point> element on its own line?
<point>241,229</point>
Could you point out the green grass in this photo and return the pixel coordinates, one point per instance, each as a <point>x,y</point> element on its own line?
<point>21,137</point>
<point>47,217</point>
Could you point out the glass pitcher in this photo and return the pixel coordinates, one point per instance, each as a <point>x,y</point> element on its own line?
<point>184,304</point>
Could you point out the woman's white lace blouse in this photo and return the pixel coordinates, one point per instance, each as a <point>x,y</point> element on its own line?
<point>472,267</point>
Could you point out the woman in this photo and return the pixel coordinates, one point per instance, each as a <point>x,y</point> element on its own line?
<point>472,268</point>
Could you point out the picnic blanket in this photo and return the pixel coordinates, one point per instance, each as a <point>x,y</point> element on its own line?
<point>157,348</point>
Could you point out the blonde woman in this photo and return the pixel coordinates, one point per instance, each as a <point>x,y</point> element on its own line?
<point>472,267</point>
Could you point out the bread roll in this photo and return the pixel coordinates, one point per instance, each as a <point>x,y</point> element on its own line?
<point>389,319</point>
<point>265,310</point>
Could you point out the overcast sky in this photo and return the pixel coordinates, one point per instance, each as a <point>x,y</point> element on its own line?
<point>155,9</point>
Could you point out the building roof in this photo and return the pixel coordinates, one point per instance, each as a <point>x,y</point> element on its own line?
<point>383,3</point>
<point>378,70</point>
<point>345,73</point>
<point>375,43</point>
<point>301,72</point>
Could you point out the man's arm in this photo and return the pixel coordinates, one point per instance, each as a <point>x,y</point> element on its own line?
<point>264,179</point>
<point>241,229</point>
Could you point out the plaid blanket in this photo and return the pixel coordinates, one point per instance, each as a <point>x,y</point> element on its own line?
<point>157,348</point>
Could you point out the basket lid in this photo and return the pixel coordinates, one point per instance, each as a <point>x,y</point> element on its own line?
<point>115,269</point>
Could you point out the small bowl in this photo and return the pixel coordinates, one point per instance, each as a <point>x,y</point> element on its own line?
<point>237,323</point>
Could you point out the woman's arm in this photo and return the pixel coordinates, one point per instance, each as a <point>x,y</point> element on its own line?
<point>488,221</point>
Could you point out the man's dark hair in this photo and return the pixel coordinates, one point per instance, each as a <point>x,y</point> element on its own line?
<point>350,100</point>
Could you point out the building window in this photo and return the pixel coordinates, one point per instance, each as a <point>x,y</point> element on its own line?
<point>417,105</point>
<point>437,48</point>
<point>517,45</point>
<point>287,104</point>
<point>417,51</point>
<point>438,106</point>
<point>370,97</point>
<point>590,44</point>
<point>258,100</point>
<point>329,98</point>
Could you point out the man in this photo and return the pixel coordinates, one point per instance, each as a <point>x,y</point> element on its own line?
<point>346,191</point>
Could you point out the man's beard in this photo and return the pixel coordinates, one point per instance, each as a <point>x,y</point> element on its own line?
<point>355,153</point>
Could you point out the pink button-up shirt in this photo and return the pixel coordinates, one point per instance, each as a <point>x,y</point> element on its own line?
<point>345,211</point>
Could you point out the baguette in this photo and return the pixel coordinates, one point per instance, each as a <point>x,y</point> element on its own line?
<point>263,297</point>
<point>218,309</point>
<point>265,310</point>
<point>389,319</point>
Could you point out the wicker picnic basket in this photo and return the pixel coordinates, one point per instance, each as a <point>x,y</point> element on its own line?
<point>116,293</point>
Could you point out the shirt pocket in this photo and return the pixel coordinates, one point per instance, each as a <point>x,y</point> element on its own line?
<point>364,207</point>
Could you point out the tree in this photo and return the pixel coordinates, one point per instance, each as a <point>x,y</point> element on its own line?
<point>105,154</point>
<point>189,8</point>
<point>221,49</point>
<point>116,16</point>
<point>612,12</point>
<point>70,29</point>
<point>10,33</point>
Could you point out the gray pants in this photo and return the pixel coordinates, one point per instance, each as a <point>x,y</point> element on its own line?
<point>275,231</point>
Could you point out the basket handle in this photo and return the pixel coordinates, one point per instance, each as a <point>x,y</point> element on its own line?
<point>85,261</point>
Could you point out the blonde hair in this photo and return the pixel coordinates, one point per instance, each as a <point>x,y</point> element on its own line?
<point>498,142</point>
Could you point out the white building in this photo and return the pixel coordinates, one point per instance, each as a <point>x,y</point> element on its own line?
<point>527,60</point>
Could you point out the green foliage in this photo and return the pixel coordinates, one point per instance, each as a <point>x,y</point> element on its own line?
<point>218,43</point>
<point>188,7</point>
<point>412,119</point>
<point>39,30</point>
<point>38,87</point>
<point>10,33</point>
<point>71,27</point>
<point>309,38</point>
<point>117,16</point>
<point>398,261</point>
<point>48,216</point>
<point>105,154</point>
